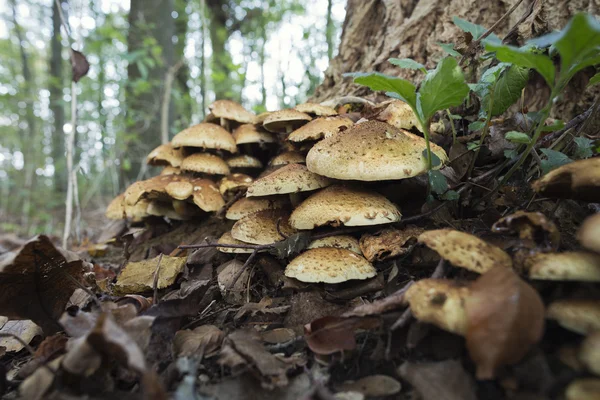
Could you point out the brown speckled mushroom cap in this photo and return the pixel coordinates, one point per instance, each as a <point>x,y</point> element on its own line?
<point>288,157</point>
<point>168,170</point>
<point>465,250</point>
<point>244,161</point>
<point>152,188</point>
<point>249,133</point>
<point>315,109</point>
<point>577,315</point>
<point>579,180</point>
<point>439,302</point>
<point>589,353</point>
<point>400,115</point>
<point>116,208</point>
<point>372,151</point>
<point>329,265</point>
<point>291,178</point>
<point>234,182</point>
<point>231,110</point>
<point>137,211</point>
<point>583,389</point>
<point>205,135</point>
<point>320,128</point>
<point>579,266</point>
<point>180,190</point>
<point>165,154</point>
<point>339,242</point>
<point>249,205</point>
<point>205,163</point>
<point>285,121</point>
<point>340,205</point>
<point>589,233</point>
<point>226,238</point>
<point>206,195</point>
<point>261,227</point>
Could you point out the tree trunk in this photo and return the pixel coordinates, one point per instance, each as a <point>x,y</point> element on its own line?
<point>220,60</point>
<point>375,30</point>
<point>57,105</point>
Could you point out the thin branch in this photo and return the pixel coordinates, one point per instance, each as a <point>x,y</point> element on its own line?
<point>166,101</point>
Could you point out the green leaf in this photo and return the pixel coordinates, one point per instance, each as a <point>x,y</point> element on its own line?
<point>475,30</point>
<point>517,137</point>
<point>578,44</point>
<point>508,88</point>
<point>435,160</point>
<point>450,195</point>
<point>404,90</point>
<point>442,87</point>
<point>437,182</point>
<point>407,63</point>
<point>594,80</point>
<point>583,147</point>
<point>472,145</point>
<point>556,125</point>
<point>554,160</point>
<point>476,125</point>
<point>510,153</point>
<point>449,48</point>
<point>524,57</point>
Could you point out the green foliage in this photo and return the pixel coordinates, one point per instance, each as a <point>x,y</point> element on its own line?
<point>394,87</point>
<point>449,48</point>
<point>583,147</point>
<point>525,57</point>
<point>517,137</point>
<point>408,63</point>
<point>437,181</point>
<point>594,80</point>
<point>475,30</point>
<point>554,159</point>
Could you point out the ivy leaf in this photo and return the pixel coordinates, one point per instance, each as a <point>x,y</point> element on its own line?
<point>594,80</point>
<point>517,137</point>
<point>584,147</point>
<point>407,63</point>
<point>524,57</point>
<point>404,90</point>
<point>554,160</point>
<point>449,48</point>
<point>435,160</point>
<point>437,182</point>
<point>475,30</point>
<point>442,87</point>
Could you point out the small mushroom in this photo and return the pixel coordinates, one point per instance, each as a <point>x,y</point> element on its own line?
<point>288,157</point>
<point>263,227</point>
<point>399,114</point>
<point>317,110</point>
<point>568,266</point>
<point>226,238</point>
<point>589,233</point>
<point>244,161</point>
<point>205,163</point>
<point>116,208</point>
<point>234,183</point>
<point>583,389</point>
<point>291,178</point>
<point>577,315</point>
<point>249,205</point>
<point>227,111</point>
<point>579,180</point>
<point>338,241</point>
<point>168,170</point>
<point>589,352</point>
<point>248,133</point>
<point>165,154</point>
<point>320,128</point>
<point>329,265</point>
<point>285,121</point>
<point>207,136</point>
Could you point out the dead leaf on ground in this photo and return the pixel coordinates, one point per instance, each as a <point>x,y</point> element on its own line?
<point>373,386</point>
<point>50,348</point>
<point>138,277</point>
<point>330,335</point>
<point>392,302</point>
<point>226,275</point>
<point>37,384</point>
<point>442,380</point>
<point>262,307</point>
<point>26,330</point>
<point>534,228</point>
<point>204,341</point>
<point>505,317</point>
<point>389,243</point>
<point>278,335</point>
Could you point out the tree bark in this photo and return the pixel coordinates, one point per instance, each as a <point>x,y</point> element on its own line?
<point>57,105</point>
<point>375,30</point>
<point>220,59</point>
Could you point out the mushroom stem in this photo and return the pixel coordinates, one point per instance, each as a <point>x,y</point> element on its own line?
<point>224,123</point>
<point>289,129</point>
<point>295,199</point>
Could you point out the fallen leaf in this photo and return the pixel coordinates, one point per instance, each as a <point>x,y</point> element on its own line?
<point>505,317</point>
<point>330,335</point>
<point>26,330</point>
<point>389,243</point>
<point>37,384</point>
<point>79,65</point>
<point>389,303</point>
<point>227,273</point>
<point>138,277</point>
<point>278,335</point>
<point>50,348</point>
<point>442,380</point>
<point>263,307</point>
<point>373,386</point>
<point>204,340</point>
<point>534,228</point>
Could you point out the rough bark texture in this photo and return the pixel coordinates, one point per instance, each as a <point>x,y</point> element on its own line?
<point>375,30</point>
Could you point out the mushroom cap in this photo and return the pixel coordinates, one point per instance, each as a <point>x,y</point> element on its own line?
<point>340,205</point>
<point>577,315</point>
<point>137,211</point>
<point>439,302</point>
<point>399,114</point>
<point>231,110</point>
<point>372,151</point>
<point>169,170</point>
<point>165,154</point>
<point>152,188</point>
<point>589,352</point>
<point>288,157</point>
<point>180,190</point>
<point>465,250</point>
<point>583,389</point>
<point>261,227</point>
<point>163,209</point>
<point>206,195</point>
<point>234,182</point>
<point>579,266</point>
<point>589,233</point>
<point>339,242</point>
<point>530,226</point>
<point>185,209</point>
<point>249,205</point>
<point>579,180</point>
<point>329,265</point>
<point>205,163</point>
<point>244,161</point>
<point>279,121</point>
<point>226,238</point>
<point>249,133</point>
<point>116,208</point>
<point>315,109</point>
<point>260,118</point>
<point>205,135</point>
<point>320,128</point>
<point>291,178</point>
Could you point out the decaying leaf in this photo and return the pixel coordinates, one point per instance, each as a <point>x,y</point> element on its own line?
<point>389,243</point>
<point>330,335</point>
<point>36,284</point>
<point>373,386</point>
<point>442,380</point>
<point>37,384</point>
<point>534,228</point>
<point>505,318</point>
<point>263,307</point>
<point>79,65</point>
<point>389,303</point>
<point>233,293</point>
<point>278,335</point>
<point>204,341</point>
<point>138,277</point>
<point>26,330</point>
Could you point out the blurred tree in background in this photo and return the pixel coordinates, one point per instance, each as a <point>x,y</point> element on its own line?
<point>263,53</point>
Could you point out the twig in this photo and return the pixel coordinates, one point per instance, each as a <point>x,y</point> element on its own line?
<point>241,271</point>
<point>227,205</point>
<point>155,284</point>
<point>283,235</point>
<point>70,143</point>
<point>166,101</point>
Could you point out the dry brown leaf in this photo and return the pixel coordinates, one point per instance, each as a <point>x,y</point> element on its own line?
<point>263,307</point>
<point>389,303</point>
<point>389,243</point>
<point>442,380</point>
<point>138,277</point>
<point>533,228</point>
<point>505,318</point>
<point>330,335</point>
<point>278,335</point>
<point>204,340</point>
<point>26,330</point>
<point>373,386</point>
<point>226,274</point>
<point>38,383</point>
<point>79,65</point>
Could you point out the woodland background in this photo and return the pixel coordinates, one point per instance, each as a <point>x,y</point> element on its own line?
<point>265,54</point>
